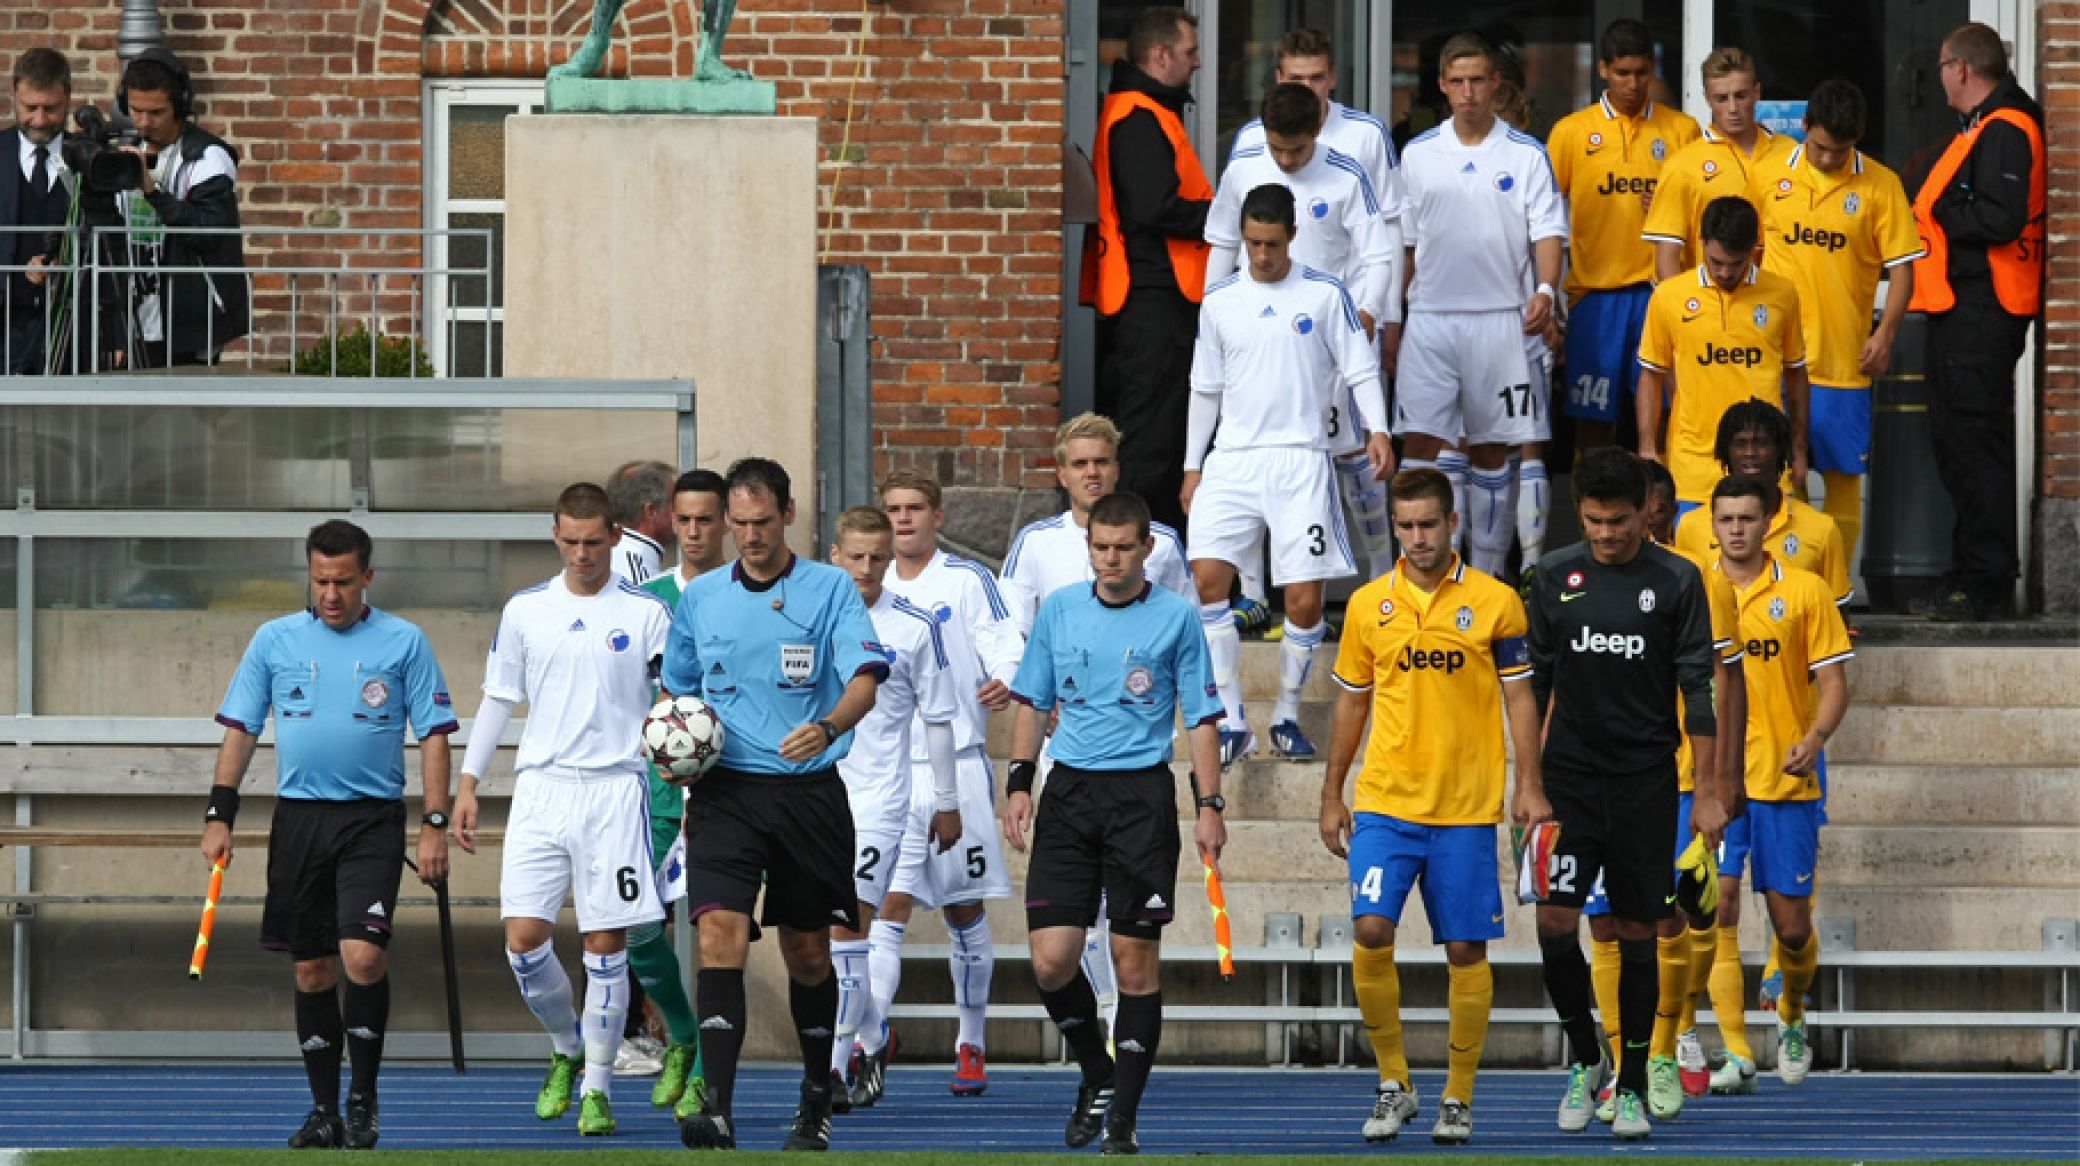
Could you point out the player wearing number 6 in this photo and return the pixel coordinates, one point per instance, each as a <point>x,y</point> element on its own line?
<point>581,650</point>
<point>1433,654</point>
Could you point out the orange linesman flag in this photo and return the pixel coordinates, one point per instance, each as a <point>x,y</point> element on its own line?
<point>209,922</point>
<point>1223,935</point>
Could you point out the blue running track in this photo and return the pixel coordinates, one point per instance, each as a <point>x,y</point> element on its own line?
<point>1865,1115</point>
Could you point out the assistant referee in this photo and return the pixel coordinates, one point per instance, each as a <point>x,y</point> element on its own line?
<point>1120,659</point>
<point>343,680</point>
<point>785,653</point>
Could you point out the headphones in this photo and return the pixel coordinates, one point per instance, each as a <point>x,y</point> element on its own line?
<point>183,84</point>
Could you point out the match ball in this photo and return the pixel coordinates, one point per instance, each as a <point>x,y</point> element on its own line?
<point>682,737</point>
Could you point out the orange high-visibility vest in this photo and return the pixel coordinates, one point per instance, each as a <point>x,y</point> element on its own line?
<point>2018,266</point>
<point>1105,275</point>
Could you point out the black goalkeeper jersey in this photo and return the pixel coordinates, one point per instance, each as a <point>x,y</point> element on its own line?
<point>1612,647</point>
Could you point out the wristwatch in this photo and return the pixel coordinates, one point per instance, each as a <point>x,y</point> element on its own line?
<point>830,731</point>
<point>1214,802</point>
<point>435,819</point>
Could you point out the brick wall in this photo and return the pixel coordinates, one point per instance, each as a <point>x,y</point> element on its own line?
<point>2058,86</point>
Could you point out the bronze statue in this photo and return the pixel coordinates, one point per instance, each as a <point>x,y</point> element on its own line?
<point>591,56</point>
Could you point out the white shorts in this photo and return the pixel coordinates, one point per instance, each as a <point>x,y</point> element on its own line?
<point>879,850</point>
<point>973,870</point>
<point>588,839</point>
<point>1346,430</point>
<point>1291,493</point>
<point>1538,361</point>
<point>1464,374</point>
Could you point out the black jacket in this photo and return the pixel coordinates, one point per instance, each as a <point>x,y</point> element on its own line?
<point>1144,182</point>
<point>1988,201</point>
<point>198,320</point>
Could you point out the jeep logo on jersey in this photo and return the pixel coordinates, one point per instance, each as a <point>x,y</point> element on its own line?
<point>1646,599</point>
<point>1765,650</point>
<point>619,641</point>
<point>797,663</point>
<point>1749,357</point>
<point>1319,208</point>
<point>375,694</point>
<point>1614,184</point>
<point>1629,647</point>
<point>1303,323</point>
<point>1776,609</point>
<point>1815,237</point>
<point>1435,659</point>
<point>1505,183</point>
<point>1464,620</point>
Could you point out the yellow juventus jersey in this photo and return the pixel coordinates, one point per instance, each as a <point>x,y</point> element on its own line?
<point>1435,665</point>
<point>1792,629</point>
<point>1800,536</point>
<point>1606,163</point>
<point>1832,235</point>
<point>1726,641</point>
<point>1720,348</point>
<point>1711,167</point>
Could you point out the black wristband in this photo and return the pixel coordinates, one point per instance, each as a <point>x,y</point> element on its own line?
<point>1021,777</point>
<point>223,805</point>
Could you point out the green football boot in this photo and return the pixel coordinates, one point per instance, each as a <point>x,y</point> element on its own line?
<point>555,1098</point>
<point>595,1116</point>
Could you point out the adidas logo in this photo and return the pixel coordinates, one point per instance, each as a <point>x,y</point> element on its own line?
<point>1156,903</point>
<point>718,1024</point>
<point>577,625</point>
<point>316,1044</point>
<point>376,910</point>
<point>363,1032</point>
<point>1268,311</point>
<point>1130,1045</point>
<point>1469,168</point>
<point>296,694</point>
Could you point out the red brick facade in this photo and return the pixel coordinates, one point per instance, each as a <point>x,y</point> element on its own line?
<point>2058,85</point>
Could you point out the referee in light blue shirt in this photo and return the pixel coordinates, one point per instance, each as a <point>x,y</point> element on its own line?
<point>1121,660</point>
<point>785,653</point>
<point>343,681</point>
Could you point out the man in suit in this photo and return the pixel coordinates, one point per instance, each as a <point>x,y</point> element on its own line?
<point>31,196</point>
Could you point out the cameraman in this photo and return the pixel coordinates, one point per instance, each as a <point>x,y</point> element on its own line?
<point>32,197</point>
<point>189,179</point>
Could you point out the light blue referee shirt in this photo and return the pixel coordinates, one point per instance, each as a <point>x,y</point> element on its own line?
<point>1120,673</point>
<point>341,701</point>
<point>771,657</point>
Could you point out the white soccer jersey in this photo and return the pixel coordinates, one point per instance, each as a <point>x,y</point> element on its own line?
<point>1054,553</point>
<point>1341,220</point>
<point>587,667</point>
<point>980,634</point>
<point>1473,213</point>
<point>1356,134</point>
<point>919,685</point>
<point>1278,354</point>
<point>637,557</point>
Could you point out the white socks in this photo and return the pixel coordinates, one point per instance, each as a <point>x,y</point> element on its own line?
<point>973,964</point>
<point>884,976</point>
<point>606,1010</point>
<point>1532,498</point>
<point>1453,464</point>
<point>1368,503</point>
<point>849,962</point>
<point>1224,653</point>
<point>1487,523</point>
<point>547,989</point>
<point>1295,661</point>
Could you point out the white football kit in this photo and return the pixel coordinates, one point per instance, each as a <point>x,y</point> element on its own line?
<point>877,769</point>
<point>1055,552</point>
<point>637,557</point>
<point>580,817</point>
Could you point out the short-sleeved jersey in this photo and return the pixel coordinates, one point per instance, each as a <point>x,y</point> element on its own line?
<point>1726,643</point>
<point>1341,222</point>
<point>1832,235</point>
<point>1792,629</point>
<point>587,667</point>
<point>1800,536</point>
<point>1605,163</point>
<point>1473,213</point>
<point>1054,553</point>
<point>919,687</point>
<point>1612,645</point>
<point>341,701</point>
<point>980,631</point>
<point>1355,134</point>
<point>636,556</point>
<point>1276,354</point>
<point>1721,348</point>
<point>1435,664</point>
<point>667,801</point>
<point>1708,168</point>
<point>1121,675</point>
<point>771,656</point>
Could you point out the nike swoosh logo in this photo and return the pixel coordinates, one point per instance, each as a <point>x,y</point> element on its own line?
<point>1670,899</point>
<point>1571,596</point>
<point>1805,878</point>
<point>1687,319</point>
<point>1495,919</point>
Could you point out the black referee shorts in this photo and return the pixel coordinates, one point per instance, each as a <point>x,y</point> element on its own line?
<point>1622,826</point>
<point>1109,832</point>
<point>791,833</point>
<point>333,870</point>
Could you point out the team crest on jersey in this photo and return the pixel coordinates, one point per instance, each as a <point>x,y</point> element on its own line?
<point>1659,149</point>
<point>1139,681</point>
<point>619,641</point>
<point>943,613</point>
<point>1783,186</point>
<point>1504,182</point>
<point>1776,609</point>
<point>1303,323</point>
<point>1646,599</point>
<point>375,694</point>
<point>1851,204</point>
<point>1595,140</point>
<point>1319,208</point>
<point>1574,580</point>
<point>1761,316</point>
<point>1692,305</point>
<point>1711,168</point>
<point>1464,619</point>
<point>1790,545</point>
<point>797,663</point>
<point>1386,609</point>
<point>883,650</point>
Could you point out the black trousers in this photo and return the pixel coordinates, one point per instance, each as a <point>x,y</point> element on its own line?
<point>1972,350</point>
<point>1144,385</point>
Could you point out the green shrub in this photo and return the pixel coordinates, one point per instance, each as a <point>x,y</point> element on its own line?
<point>346,355</point>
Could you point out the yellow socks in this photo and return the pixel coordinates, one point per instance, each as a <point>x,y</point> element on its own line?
<point>1845,506</point>
<point>1472,997</point>
<point>1378,984</point>
<point>1703,946</point>
<point>1603,976</point>
<point>1672,961</point>
<point>1729,995</point>
<point>1800,966</point>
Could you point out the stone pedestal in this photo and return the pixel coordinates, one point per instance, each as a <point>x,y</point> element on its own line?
<point>671,246</point>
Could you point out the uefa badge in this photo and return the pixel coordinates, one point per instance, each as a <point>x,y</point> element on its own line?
<point>1776,609</point>
<point>1851,204</point>
<point>375,694</point>
<point>1140,681</point>
<point>1660,150</point>
<point>1464,619</point>
<point>1646,599</point>
<point>1761,315</point>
